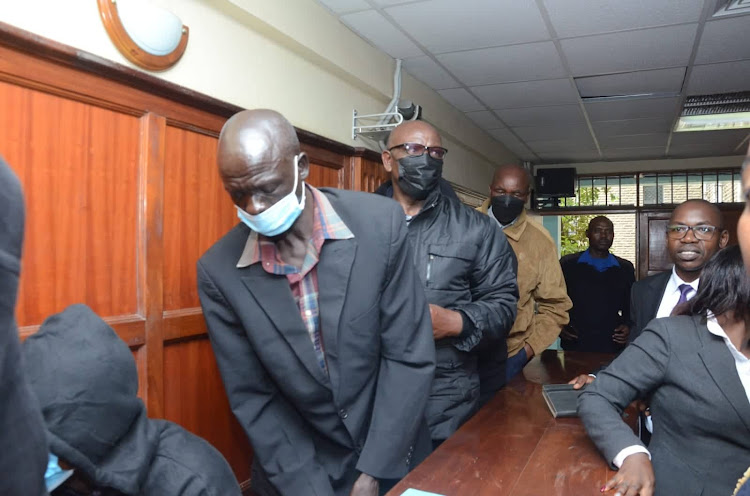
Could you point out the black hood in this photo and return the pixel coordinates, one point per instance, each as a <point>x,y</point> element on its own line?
<point>86,381</point>
<point>11,227</point>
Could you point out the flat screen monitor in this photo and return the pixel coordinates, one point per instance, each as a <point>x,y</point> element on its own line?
<point>556,183</point>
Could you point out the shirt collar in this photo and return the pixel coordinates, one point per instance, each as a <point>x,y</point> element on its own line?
<point>326,223</point>
<point>676,281</point>
<point>600,264</point>
<point>515,229</point>
<point>716,329</point>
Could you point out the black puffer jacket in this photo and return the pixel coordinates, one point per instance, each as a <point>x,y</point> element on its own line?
<point>466,264</point>
<point>86,381</point>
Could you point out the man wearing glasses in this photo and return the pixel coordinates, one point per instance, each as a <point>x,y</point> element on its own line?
<point>694,234</point>
<point>466,265</point>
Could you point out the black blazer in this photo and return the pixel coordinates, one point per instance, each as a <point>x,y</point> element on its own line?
<point>23,446</point>
<point>701,440</point>
<point>312,433</point>
<point>645,298</point>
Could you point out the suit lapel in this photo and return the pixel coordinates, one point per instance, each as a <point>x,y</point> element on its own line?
<point>334,269</point>
<point>720,364</point>
<point>656,294</point>
<point>274,297</point>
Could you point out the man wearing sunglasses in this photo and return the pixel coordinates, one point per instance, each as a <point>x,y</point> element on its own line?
<point>466,265</point>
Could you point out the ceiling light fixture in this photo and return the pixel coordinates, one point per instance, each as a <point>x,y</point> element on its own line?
<point>715,112</point>
<point>733,7</point>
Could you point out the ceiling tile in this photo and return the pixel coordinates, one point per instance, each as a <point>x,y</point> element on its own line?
<point>430,73</point>
<point>344,6</point>
<point>631,126</point>
<point>461,99</point>
<point>382,34</point>
<point>449,26</point>
<point>580,17</point>
<point>508,139</point>
<point>632,83</point>
<point>513,95</point>
<point>575,156</point>
<point>630,51</point>
<point>552,133</point>
<point>634,153</point>
<point>542,116</point>
<point>724,40</point>
<point>641,108</point>
<point>485,119</point>
<point>719,78</point>
<point>634,140</point>
<point>505,64</point>
<point>561,145</point>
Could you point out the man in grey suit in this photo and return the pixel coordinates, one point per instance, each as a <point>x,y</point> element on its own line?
<point>318,321</point>
<point>23,447</point>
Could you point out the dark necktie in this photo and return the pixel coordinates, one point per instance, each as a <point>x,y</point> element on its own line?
<point>685,290</point>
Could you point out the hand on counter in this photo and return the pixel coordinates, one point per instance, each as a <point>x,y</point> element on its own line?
<point>635,477</point>
<point>581,380</point>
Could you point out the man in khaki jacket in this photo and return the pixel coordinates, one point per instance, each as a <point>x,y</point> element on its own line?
<point>543,301</point>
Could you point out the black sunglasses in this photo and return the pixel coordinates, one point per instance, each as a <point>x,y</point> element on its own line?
<point>417,150</point>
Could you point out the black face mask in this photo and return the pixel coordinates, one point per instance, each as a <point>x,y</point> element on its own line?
<point>418,176</point>
<point>506,208</point>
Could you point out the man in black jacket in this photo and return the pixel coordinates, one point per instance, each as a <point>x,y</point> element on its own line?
<point>466,265</point>
<point>23,448</point>
<point>85,379</point>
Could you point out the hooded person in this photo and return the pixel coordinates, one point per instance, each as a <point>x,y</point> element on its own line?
<point>86,381</point>
<point>23,449</point>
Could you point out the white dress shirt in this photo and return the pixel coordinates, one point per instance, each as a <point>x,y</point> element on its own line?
<point>672,294</point>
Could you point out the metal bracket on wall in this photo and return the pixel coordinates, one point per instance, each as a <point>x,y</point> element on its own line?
<point>374,126</point>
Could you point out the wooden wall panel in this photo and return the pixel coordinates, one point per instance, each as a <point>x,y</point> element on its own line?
<point>324,176</point>
<point>194,398</point>
<point>197,212</point>
<point>78,166</point>
<point>369,174</point>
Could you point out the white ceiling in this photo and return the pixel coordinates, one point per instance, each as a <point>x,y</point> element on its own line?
<point>519,69</point>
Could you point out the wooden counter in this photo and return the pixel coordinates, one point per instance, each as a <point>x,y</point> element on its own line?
<point>513,446</point>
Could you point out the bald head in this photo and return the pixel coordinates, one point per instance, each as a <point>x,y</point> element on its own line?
<point>252,138</point>
<point>414,132</point>
<point>256,158</point>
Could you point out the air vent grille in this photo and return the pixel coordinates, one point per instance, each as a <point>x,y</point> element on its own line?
<point>727,103</point>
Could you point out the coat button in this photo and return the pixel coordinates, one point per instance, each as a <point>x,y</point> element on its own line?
<point>343,413</point>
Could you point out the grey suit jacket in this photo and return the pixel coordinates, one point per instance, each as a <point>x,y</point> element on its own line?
<point>645,298</point>
<point>701,439</point>
<point>23,446</point>
<point>313,433</point>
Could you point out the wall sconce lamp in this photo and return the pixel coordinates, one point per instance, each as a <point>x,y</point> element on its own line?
<point>147,35</point>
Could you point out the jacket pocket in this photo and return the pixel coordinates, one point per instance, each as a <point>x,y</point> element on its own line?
<point>449,266</point>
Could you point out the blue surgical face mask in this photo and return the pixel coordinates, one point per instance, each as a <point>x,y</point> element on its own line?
<point>55,476</point>
<point>279,217</point>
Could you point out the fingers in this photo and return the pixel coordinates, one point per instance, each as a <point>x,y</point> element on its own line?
<point>580,381</point>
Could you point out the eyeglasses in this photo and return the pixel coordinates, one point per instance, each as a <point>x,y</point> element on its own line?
<point>679,231</point>
<point>417,150</point>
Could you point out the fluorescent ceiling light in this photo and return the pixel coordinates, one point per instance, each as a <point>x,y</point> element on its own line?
<point>714,122</point>
<point>733,7</point>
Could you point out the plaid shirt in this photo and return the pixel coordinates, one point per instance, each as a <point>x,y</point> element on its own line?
<point>303,281</point>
